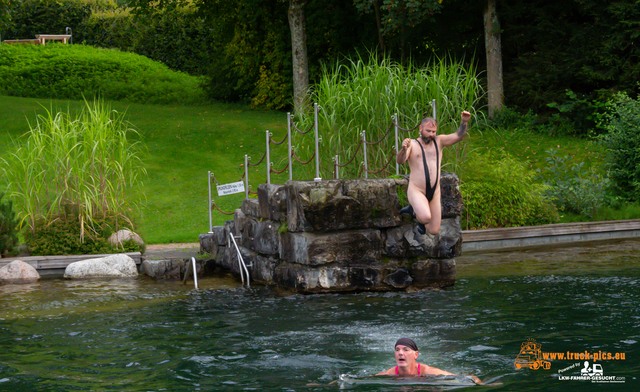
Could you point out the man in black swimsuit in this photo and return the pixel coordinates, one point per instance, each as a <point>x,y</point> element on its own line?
<point>424,156</point>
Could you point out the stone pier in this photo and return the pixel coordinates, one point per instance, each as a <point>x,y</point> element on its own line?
<point>339,236</point>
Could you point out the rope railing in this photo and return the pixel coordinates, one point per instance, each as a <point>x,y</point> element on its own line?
<point>303,163</point>
<point>279,143</point>
<point>295,127</point>
<point>281,171</point>
<point>383,167</point>
<point>216,181</point>
<point>350,160</point>
<point>362,144</point>
<point>403,129</point>
<point>261,159</point>
<point>291,154</point>
<point>214,205</point>
<point>383,137</point>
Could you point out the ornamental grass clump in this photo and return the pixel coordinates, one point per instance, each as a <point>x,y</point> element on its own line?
<point>364,95</point>
<point>85,168</point>
<point>8,224</point>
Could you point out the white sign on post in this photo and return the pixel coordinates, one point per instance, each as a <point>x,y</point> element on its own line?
<point>229,189</point>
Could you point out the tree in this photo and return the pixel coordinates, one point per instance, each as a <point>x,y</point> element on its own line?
<point>5,16</point>
<point>595,49</point>
<point>493,48</point>
<point>397,17</point>
<point>299,54</point>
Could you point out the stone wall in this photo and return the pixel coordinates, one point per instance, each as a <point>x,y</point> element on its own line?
<point>339,235</point>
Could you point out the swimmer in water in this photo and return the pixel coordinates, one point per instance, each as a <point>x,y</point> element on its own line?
<point>406,353</point>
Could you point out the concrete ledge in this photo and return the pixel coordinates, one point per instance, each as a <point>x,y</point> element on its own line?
<point>515,237</point>
<point>55,265</point>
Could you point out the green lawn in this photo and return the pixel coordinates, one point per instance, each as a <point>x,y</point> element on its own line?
<point>184,142</point>
<point>532,148</point>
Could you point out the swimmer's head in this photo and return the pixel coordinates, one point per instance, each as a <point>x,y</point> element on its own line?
<point>407,342</point>
<point>406,353</point>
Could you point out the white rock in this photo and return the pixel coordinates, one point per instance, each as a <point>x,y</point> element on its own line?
<point>121,236</point>
<point>18,272</point>
<point>117,266</point>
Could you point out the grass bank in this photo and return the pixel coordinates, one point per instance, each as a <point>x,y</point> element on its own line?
<point>185,141</point>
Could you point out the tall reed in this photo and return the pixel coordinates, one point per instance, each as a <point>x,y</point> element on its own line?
<point>364,94</point>
<point>86,165</point>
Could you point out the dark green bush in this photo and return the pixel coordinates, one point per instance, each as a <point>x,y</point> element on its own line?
<point>178,38</point>
<point>515,120</point>
<point>62,237</point>
<point>31,17</point>
<point>511,118</point>
<point>111,28</point>
<point>579,115</point>
<point>573,188</point>
<point>500,191</point>
<point>74,71</point>
<point>253,63</point>
<point>8,225</point>
<point>623,146</point>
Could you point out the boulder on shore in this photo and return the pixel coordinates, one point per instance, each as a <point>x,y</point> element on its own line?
<point>113,266</point>
<point>122,236</point>
<point>18,272</point>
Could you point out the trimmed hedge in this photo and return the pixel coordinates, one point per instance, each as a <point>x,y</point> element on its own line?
<point>31,17</point>
<point>77,71</point>
<point>178,38</point>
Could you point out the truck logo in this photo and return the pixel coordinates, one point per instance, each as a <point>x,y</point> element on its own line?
<point>531,356</point>
<point>595,370</point>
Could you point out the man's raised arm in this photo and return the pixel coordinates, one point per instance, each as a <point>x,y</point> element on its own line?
<point>453,138</point>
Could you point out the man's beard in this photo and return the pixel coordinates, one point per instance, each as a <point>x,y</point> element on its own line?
<point>426,139</point>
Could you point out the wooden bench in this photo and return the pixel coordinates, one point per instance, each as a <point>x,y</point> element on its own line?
<point>53,37</point>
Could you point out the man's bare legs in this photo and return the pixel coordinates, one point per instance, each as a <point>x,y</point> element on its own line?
<point>427,213</point>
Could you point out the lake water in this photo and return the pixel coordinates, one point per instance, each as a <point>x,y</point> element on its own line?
<point>142,335</point>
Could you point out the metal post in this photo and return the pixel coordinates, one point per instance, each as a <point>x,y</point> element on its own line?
<point>337,168</point>
<point>433,105</point>
<point>246,176</point>
<point>364,149</point>
<point>289,138</point>
<point>195,272</point>
<point>315,120</point>
<point>395,120</point>
<point>268,162</point>
<point>210,221</point>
